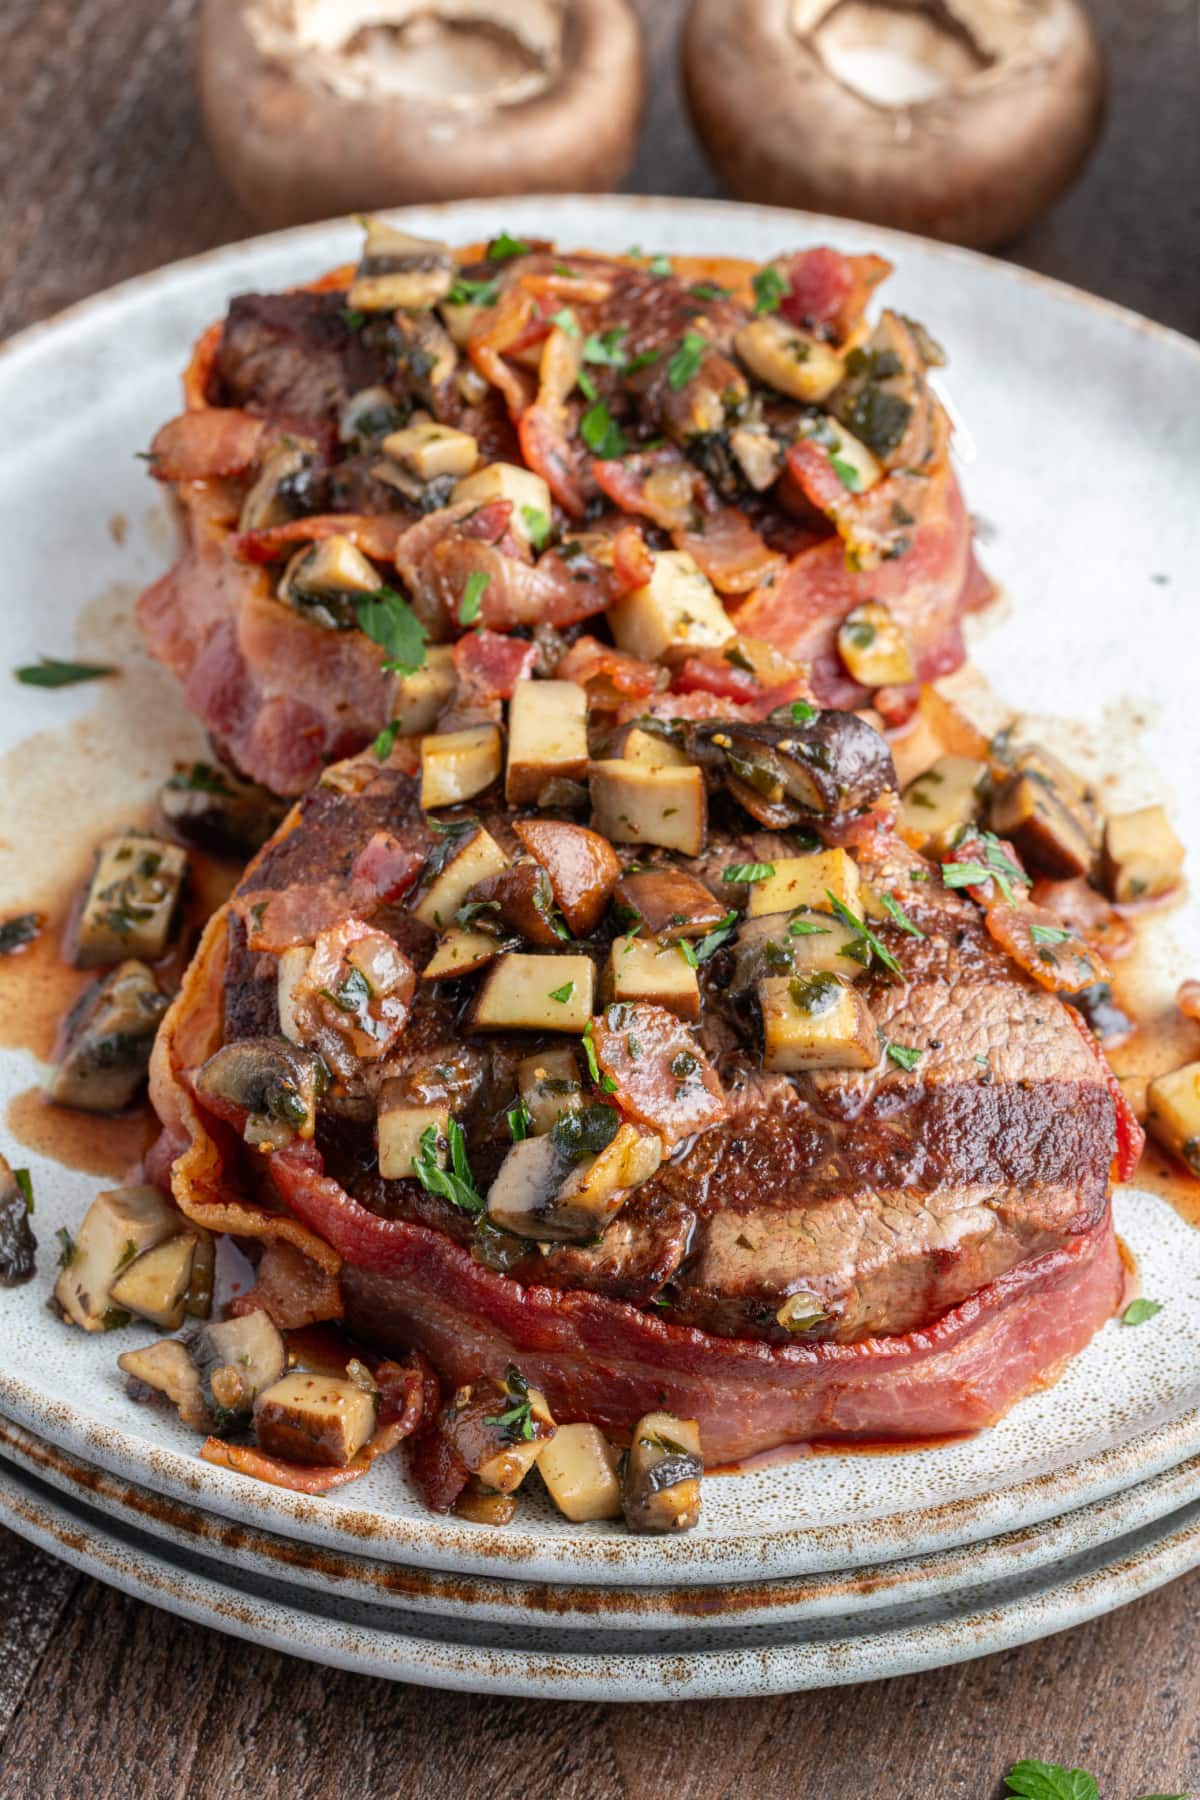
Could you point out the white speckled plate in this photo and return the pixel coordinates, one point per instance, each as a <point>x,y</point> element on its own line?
<point>537,1657</point>
<point>1084,433</point>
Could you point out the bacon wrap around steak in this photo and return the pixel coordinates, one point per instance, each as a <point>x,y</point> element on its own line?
<point>949,1221</point>
<point>282,697</point>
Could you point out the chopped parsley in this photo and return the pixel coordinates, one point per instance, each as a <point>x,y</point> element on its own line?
<point>806,928</point>
<point>605,347</point>
<point>898,916</point>
<point>995,866</point>
<point>867,945</point>
<point>24,1181</point>
<point>688,953</point>
<point>471,604</point>
<point>456,1183</point>
<point>720,934</point>
<point>642,360</point>
<point>517,1421</point>
<point>1138,1311</point>
<point>389,621</point>
<point>586,385</point>
<point>562,994</point>
<point>538,525</point>
<point>566,321</point>
<point>1049,934</point>
<point>748,872</point>
<point>578,1135</point>
<point>468,913</point>
<point>504,247</point>
<point>846,472</point>
<point>660,266</point>
<point>770,289</point>
<point>601,433</point>
<point>67,1250</point>
<point>709,290</point>
<point>49,672</point>
<point>473,293</point>
<point>684,365</point>
<point>385,742</point>
<point>518,1122</point>
<point>905,1054</point>
<point>802,713</point>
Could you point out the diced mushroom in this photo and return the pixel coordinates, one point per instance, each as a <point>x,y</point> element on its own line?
<point>815,1022</point>
<point>424,350</point>
<point>807,881</point>
<point>326,583</point>
<point>18,1246</point>
<point>397,270</point>
<point>498,1429</point>
<point>314,1419</point>
<point>119,1225</point>
<point>420,699</point>
<point>1142,856</point>
<point>1173,1113</point>
<point>549,1083</point>
<point>368,416</point>
<point>1047,814</point>
<point>480,1504</point>
<point>547,738</point>
<point>677,609</point>
<point>237,1360</point>
<point>857,467</point>
<point>457,765</point>
<point>641,969</point>
<point>567,1185</point>
<point>522,992</point>
<point>166,1368</point>
<point>461,952</point>
<point>400,1126</point>
<point>131,900</point>
<point>885,398</point>
<point>267,1086</point>
<point>520,901</point>
<point>579,1468</point>
<point>155,1285</point>
<point>805,942</point>
<point>467,858</point>
<point>215,810</point>
<point>832,764</point>
<point>670,904</point>
<point>793,362</point>
<point>633,803</point>
<point>660,1486</point>
<point>428,450</point>
<point>528,494</point>
<point>941,801</point>
<point>657,752</point>
<point>285,488</point>
<point>198,1300</point>
<point>874,648</point>
<point>582,867</point>
<point>106,1041</point>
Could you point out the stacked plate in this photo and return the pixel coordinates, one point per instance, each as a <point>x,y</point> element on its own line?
<point>821,1570</point>
<point>824,1569</point>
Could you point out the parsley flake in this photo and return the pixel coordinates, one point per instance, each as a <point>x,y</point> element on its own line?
<point>562,994</point>
<point>456,1183</point>
<point>1138,1311</point>
<point>389,621</point>
<point>905,1054</point>
<point>605,347</point>
<point>24,1181</point>
<point>538,525</point>
<point>749,872</point>
<point>684,365</point>
<point>601,433</point>
<point>770,289</point>
<point>386,741</point>
<point>898,916</point>
<point>471,605</point>
<point>49,672</point>
<point>867,941</point>
<point>504,247</point>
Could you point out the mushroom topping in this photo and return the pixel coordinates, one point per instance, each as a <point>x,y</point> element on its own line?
<point>1047,813</point>
<point>677,609</point>
<point>547,738</point>
<point>104,1049</point>
<point>215,810</point>
<point>535,993</point>
<point>815,1022</point>
<point>457,765</point>
<point>119,1226</point>
<point>463,858</point>
<point>266,1086</point>
<point>326,582</point>
<point>643,970</point>
<point>1142,856</point>
<point>670,903</point>
<point>166,1368</point>
<point>579,1468</point>
<point>316,1419</point>
<point>18,1246</point>
<point>939,802</point>
<point>568,1184</point>
<point>996,107</point>
<point>582,867</point>
<point>517,900</point>
<point>156,1283</point>
<point>236,1361</point>
<point>549,1083</point>
<point>824,764</point>
<point>636,803</point>
<point>497,1429</point>
<point>400,1130</point>
<point>397,270</point>
<point>397,102</point>
<point>285,488</point>
<point>792,362</point>
<point>131,900</point>
<point>1173,1113</point>
<point>660,1485</point>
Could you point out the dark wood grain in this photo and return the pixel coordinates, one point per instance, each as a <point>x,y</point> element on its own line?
<point>105,174</point>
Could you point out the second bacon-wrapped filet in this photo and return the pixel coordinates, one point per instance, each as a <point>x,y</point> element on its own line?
<point>693,483</point>
<point>788,1134</point>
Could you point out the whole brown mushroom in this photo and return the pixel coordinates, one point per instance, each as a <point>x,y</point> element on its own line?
<point>958,119</point>
<point>320,107</point>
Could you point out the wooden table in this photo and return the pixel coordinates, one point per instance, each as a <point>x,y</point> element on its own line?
<point>106,174</point>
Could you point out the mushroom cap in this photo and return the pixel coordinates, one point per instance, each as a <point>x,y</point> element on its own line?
<point>960,121</point>
<point>305,135</point>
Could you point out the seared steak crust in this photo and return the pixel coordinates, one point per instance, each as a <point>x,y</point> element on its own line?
<point>880,1199</point>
